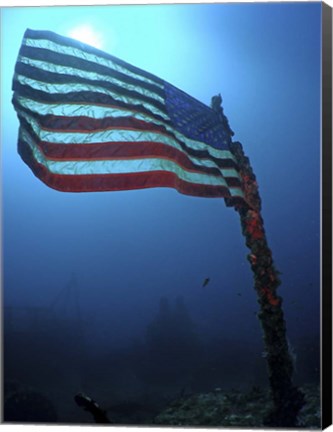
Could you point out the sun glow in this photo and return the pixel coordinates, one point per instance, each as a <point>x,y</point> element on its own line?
<point>85,33</point>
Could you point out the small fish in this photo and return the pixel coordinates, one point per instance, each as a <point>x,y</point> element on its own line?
<point>205,282</point>
<point>239,294</point>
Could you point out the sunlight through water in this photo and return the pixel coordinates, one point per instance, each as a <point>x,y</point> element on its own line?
<point>85,33</point>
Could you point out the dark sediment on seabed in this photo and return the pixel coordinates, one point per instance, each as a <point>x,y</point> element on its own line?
<point>236,409</point>
<point>219,408</point>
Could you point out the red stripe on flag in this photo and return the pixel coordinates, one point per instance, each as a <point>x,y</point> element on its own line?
<point>116,182</point>
<point>87,124</point>
<point>120,151</point>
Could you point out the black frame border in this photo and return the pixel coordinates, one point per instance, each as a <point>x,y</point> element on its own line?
<point>326,299</point>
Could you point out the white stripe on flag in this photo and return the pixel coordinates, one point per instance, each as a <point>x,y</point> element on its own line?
<point>92,76</point>
<point>70,50</point>
<point>76,87</point>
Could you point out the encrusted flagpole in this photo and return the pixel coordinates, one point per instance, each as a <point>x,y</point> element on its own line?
<point>288,399</point>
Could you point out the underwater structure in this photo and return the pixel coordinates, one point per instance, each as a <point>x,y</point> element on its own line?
<point>288,399</point>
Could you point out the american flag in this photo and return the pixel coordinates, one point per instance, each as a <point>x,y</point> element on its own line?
<point>92,122</point>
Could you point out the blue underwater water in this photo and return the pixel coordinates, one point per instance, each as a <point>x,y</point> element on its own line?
<point>103,292</point>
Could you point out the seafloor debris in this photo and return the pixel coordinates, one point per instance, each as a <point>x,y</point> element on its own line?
<point>236,408</point>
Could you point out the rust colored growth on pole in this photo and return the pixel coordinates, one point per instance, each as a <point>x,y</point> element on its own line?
<point>288,400</point>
